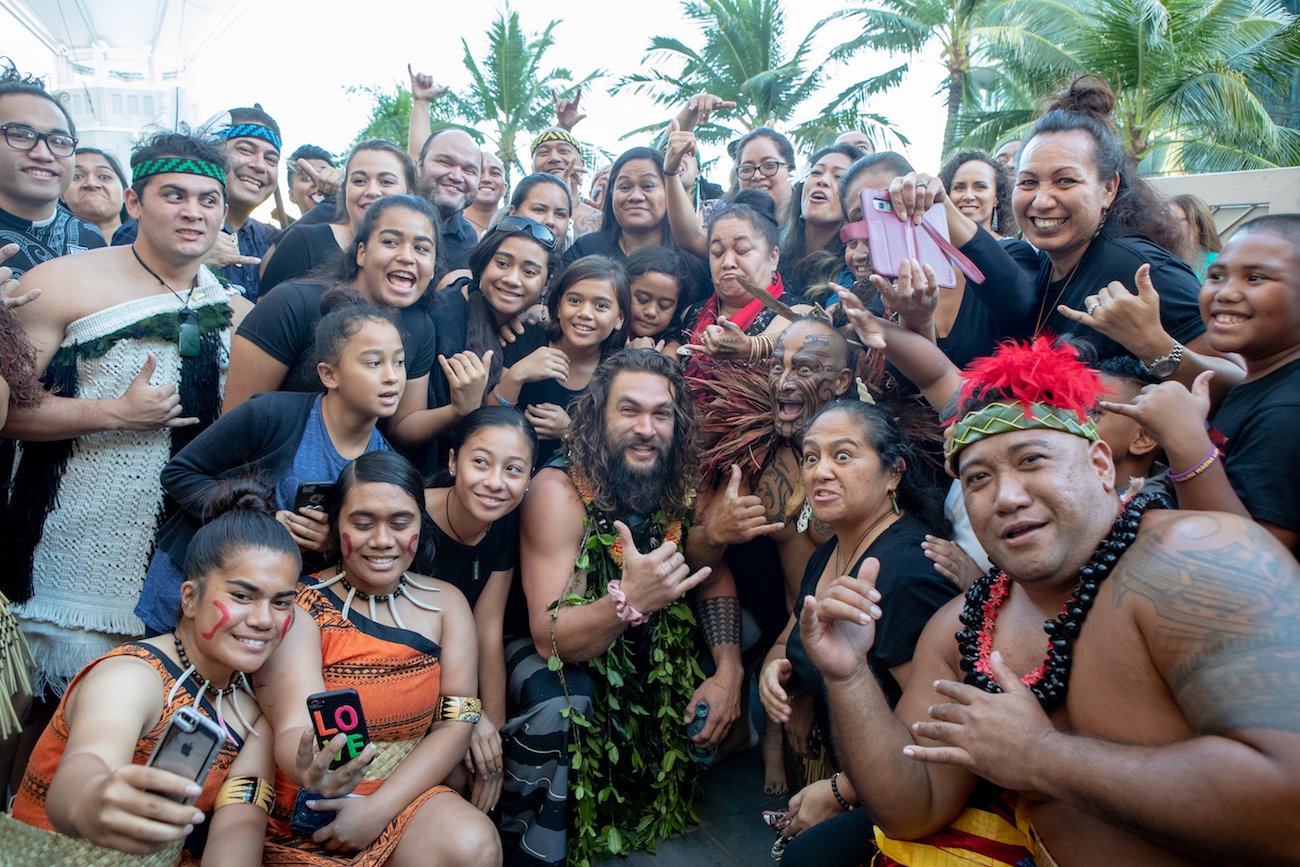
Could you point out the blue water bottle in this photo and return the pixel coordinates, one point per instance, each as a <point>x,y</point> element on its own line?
<point>702,755</point>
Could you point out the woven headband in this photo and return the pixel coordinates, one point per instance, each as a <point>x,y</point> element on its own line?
<point>185,166</point>
<point>250,130</point>
<point>554,135</point>
<point>999,418</point>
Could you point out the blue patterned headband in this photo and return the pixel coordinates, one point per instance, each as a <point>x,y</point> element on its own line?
<point>250,130</point>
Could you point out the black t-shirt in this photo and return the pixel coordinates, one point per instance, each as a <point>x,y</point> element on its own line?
<point>455,242</point>
<point>283,325</point>
<point>1018,296</point>
<point>1254,428</point>
<point>911,591</point>
<point>458,564</point>
<point>47,239</point>
<point>301,249</point>
<point>603,244</point>
<point>538,391</point>
<point>977,329</point>
<point>323,211</point>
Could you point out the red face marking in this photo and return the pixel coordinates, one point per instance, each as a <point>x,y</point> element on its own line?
<point>347,545</point>
<point>413,545</point>
<point>225,615</point>
<point>288,621</point>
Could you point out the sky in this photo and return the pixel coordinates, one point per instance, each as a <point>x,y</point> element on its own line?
<point>299,59</point>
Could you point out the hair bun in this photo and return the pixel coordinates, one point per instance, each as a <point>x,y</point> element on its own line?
<point>236,495</point>
<point>339,297</point>
<point>759,200</point>
<point>1086,94</point>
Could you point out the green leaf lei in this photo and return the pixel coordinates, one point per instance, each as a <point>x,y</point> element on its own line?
<point>632,784</point>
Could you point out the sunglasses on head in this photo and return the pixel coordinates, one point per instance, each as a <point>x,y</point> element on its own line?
<point>515,225</point>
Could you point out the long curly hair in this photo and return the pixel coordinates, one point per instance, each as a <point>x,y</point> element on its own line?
<point>589,444</point>
<point>1004,221</point>
<point>18,362</point>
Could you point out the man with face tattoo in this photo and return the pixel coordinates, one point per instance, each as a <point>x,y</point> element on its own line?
<point>757,490</point>
<point>603,677</point>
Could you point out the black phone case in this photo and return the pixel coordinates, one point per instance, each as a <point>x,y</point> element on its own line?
<point>188,747</point>
<point>312,495</point>
<point>336,711</point>
<point>304,822</point>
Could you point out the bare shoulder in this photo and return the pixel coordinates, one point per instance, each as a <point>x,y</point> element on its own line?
<point>551,495</point>
<point>1217,600</point>
<point>449,595</point>
<point>239,308</point>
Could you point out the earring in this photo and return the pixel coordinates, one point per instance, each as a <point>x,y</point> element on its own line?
<point>893,501</point>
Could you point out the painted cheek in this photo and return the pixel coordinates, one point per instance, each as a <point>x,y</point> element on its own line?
<point>413,544</point>
<point>347,545</point>
<point>284,630</point>
<point>225,616</point>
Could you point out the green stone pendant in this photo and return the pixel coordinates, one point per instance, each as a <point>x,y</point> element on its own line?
<point>189,336</point>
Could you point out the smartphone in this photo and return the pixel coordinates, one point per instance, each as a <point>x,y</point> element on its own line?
<point>339,711</point>
<point>892,240</point>
<point>312,495</point>
<point>188,747</point>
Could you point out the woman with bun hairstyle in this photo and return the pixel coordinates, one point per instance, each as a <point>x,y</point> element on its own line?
<point>475,531</point>
<point>1103,239</point>
<point>389,265</point>
<point>375,168</point>
<point>286,439</point>
<point>88,797</point>
<point>743,246</point>
<point>407,644</point>
<point>552,363</point>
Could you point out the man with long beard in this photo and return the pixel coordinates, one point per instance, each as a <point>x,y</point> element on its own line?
<point>610,663</point>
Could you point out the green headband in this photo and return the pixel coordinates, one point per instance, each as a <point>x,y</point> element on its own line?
<point>554,135</point>
<point>185,166</point>
<point>999,418</point>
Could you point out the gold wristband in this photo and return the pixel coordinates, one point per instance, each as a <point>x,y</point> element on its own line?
<point>246,790</point>
<point>458,707</point>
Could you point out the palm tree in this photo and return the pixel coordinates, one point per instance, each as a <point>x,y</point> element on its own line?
<point>1191,76</point>
<point>959,27</point>
<point>390,114</point>
<point>743,59</point>
<point>511,92</point>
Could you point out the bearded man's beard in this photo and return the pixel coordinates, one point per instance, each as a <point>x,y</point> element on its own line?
<point>637,490</point>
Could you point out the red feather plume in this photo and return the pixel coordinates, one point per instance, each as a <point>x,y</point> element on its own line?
<point>1037,372</point>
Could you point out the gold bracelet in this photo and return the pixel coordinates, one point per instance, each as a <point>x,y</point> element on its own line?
<point>246,790</point>
<point>458,707</point>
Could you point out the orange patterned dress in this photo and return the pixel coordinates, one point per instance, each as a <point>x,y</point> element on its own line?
<point>398,675</point>
<point>28,807</point>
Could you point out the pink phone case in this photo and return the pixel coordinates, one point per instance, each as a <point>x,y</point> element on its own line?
<point>892,240</point>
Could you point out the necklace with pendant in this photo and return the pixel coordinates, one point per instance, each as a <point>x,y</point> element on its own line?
<point>188,341</point>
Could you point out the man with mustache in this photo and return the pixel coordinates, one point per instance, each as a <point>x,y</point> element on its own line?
<point>608,659</point>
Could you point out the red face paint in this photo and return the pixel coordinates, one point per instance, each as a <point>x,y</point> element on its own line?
<point>347,545</point>
<point>288,621</point>
<point>225,615</point>
<point>413,545</point>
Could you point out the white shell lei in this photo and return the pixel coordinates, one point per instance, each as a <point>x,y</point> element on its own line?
<point>389,598</point>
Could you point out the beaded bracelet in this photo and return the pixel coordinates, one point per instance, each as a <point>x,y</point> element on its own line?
<point>246,790</point>
<point>1179,478</point>
<point>501,400</point>
<point>835,790</point>
<point>626,612</point>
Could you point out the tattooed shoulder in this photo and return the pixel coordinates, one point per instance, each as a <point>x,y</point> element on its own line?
<point>1218,602</point>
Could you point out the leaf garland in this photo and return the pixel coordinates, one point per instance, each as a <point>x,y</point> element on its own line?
<point>632,783</point>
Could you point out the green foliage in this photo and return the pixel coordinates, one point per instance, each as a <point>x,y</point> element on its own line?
<point>743,59</point>
<point>390,115</point>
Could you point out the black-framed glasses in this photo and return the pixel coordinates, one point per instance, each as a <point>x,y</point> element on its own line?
<point>24,138</point>
<point>767,169</point>
<point>515,225</point>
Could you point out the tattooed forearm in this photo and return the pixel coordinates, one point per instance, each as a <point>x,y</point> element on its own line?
<point>719,617</point>
<point>1224,626</point>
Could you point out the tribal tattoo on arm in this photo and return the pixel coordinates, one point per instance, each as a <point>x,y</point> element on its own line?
<point>719,617</point>
<point>1225,598</point>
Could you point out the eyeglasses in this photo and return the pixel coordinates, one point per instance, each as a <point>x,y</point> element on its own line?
<point>515,225</point>
<point>24,138</point>
<point>767,169</point>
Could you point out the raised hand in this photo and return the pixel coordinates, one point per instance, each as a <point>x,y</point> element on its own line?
<point>423,87</point>
<point>567,112</point>
<point>839,627</point>
<point>868,327</point>
<point>656,579</point>
<point>725,339</point>
<point>913,194</point>
<point>732,519</point>
<point>700,107</point>
<point>467,377</point>
<point>327,179</point>
<point>312,765</point>
<point>548,419</point>
<point>11,295</point>
<point>915,295</point>
<point>225,253</point>
<point>681,143</point>
<point>1172,415</point>
<point>545,362</point>
<point>146,407</point>
<point>1131,320</point>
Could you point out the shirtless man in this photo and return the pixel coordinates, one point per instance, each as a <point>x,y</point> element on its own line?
<point>124,333</point>
<point>1172,739</point>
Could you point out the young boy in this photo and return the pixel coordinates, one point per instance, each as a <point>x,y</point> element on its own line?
<point>1248,460</point>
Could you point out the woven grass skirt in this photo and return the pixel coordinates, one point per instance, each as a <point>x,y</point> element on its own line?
<point>26,845</point>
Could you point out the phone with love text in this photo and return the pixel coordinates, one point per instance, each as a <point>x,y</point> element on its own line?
<point>335,712</point>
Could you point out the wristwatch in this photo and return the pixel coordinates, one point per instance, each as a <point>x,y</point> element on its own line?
<point>1164,366</point>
